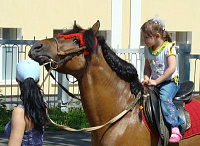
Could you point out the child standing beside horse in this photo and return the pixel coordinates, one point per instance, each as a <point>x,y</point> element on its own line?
<point>160,70</point>
<point>30,117</point>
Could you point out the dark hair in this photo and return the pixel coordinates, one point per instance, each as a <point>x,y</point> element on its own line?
<point>34,105</point>
<point>126,71</point>
<point>151,27</point>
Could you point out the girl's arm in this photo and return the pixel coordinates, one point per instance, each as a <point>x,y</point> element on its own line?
<point>17,127</point>
<point>170,70</point>
<point>147,72</point>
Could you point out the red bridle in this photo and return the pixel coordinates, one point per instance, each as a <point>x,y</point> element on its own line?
<point>80,36</point>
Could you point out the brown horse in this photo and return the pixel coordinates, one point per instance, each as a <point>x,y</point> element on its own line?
<point>108,85</point>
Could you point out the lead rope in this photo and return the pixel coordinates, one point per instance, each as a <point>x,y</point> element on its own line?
<point>96,127</point>
<point>49,73</point>
<point>50,69</point>
<point>116,118</point>
<point>67,91</point>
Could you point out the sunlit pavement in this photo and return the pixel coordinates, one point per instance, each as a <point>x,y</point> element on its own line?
<point>59,138</point>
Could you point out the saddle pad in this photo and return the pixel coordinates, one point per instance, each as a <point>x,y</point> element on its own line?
<point>153,133</point>
<point>193,108</point>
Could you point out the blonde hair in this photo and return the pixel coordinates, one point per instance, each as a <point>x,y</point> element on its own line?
<point>155,25</point>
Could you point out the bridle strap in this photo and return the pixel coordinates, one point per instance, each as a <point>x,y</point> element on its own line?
<point>68,56</point>
<point>54,65</point>
<point>65,89</point>
<point>49,72</point>
<point>84,70</point>
<point>58,47</point>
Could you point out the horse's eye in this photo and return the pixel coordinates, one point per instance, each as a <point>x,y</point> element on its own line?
<point>76,40</point>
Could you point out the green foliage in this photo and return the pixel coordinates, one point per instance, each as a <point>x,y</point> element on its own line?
<point>74,118</point>
<point>5,116</point>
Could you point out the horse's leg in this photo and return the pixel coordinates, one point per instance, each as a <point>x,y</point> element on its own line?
<point>94,140</point>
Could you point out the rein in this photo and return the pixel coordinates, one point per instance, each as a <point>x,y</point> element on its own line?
<point>69,56</point>
<point>54,64</point>
<point>116,118</point>
<point>65,89</point>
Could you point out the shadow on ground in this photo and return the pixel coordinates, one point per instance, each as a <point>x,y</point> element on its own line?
<point>60,138</point>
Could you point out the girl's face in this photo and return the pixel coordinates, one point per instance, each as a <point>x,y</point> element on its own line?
<point>149,40</point>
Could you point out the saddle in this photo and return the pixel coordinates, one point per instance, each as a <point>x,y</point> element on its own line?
<point>153,114</point>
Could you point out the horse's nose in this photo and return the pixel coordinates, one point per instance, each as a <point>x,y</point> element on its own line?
<point>34,49</point>
<point>37,46</point>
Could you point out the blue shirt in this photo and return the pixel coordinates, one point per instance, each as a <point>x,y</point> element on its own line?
<point>31,137</point>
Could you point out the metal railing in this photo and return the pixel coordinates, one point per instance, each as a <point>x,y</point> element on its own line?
<point>54,94</point>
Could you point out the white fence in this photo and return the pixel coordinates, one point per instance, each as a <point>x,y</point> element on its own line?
<point>13,51</point>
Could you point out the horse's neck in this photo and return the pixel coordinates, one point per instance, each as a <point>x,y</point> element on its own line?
<point>103,93</point>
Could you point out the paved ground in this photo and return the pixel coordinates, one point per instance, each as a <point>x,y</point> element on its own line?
<point>59,138</point>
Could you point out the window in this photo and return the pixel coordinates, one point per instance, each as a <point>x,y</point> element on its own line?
<point>8,54</point>
<point>181,37</point>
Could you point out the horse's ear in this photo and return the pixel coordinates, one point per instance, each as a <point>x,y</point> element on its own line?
<point>75,26</point>
<point>75,23</point>
<point>95,27</point>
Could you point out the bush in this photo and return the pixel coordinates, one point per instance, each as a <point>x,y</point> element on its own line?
<point>5,116</point>
<point>74,118</point>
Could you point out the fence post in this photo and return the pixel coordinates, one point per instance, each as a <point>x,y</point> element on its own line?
<point>63,97</point>
<point>184,62</point>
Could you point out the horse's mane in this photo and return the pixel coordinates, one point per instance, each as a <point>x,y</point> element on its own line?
<point>126,71</point>
<point>75,29</point>
<point>123,69</point>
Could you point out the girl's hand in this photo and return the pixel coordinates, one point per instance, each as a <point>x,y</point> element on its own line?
<point>145,82</point>
<point>152,82</point>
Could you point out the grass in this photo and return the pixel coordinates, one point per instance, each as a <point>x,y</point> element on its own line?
<point>74,118</point>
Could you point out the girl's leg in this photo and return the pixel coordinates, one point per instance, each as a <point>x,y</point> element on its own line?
<point>168,91</point>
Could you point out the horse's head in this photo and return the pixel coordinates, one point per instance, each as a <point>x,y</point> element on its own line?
<point>68,51</point>
<point>71,52</point>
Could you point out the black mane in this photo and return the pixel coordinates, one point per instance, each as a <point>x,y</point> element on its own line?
<point>123,69</point>
<point>126,71</point>
<point>75,29</point>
